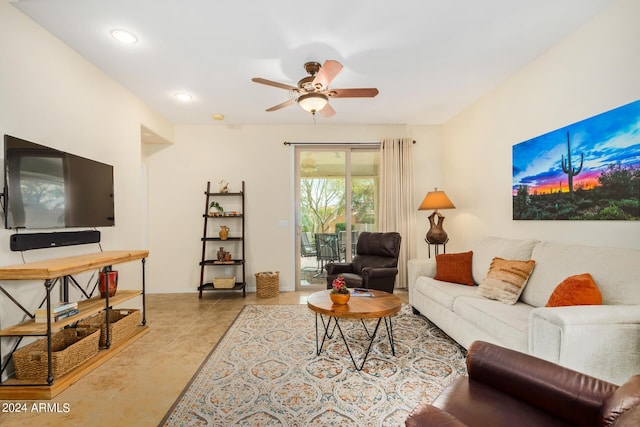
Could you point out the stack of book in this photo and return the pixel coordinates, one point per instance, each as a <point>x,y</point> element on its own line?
<point>361,292</point>
<point>58,312</point>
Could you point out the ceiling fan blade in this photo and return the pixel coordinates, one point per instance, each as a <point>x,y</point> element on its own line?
<point>364,92</point>
<point>282,105</point>
<point>272,83</point>
<point>327,111</point>
<point>327,73</point>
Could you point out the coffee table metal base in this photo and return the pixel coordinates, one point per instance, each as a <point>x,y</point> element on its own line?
<point>326,326</point>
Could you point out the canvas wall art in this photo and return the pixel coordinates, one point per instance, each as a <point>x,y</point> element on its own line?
<point>589,170</point>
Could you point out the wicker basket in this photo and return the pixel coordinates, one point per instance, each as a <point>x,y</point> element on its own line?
<point>69,348</point>
<point>224,282</point>
<point>267,284</point>
<point>123,323</point>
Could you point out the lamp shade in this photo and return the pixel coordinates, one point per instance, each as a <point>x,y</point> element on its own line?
<point>436,199</point>
<point>313,102</point>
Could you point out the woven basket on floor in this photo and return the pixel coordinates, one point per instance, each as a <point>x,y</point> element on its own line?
<point>123,323</point>
<point>267,284</point>
<point>69,348</point>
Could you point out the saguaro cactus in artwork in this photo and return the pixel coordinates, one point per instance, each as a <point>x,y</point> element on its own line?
<point>567,167</point>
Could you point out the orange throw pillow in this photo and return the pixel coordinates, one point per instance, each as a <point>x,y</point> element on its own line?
<point>454,268</point>
<point>576,290</point>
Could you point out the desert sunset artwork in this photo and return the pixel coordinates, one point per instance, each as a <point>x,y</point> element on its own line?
<point>588,170</point>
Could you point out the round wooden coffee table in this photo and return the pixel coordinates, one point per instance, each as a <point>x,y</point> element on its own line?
<point>382,305</point>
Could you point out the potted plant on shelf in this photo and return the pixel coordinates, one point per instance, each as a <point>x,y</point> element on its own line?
<point>218,209</point>
<point>339,293</point>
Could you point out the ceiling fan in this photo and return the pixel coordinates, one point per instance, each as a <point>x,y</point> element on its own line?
<point>312,93</point>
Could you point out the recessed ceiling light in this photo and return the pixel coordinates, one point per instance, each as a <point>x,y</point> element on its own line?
<point>183,96</point>
<point>124,36</point>
<point>218,117</point>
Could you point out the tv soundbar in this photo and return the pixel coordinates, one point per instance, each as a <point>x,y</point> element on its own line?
<point>25,242</point>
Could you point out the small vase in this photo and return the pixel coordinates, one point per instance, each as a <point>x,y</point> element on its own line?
<point>112,281</point>
<point>339,298</point>
<point>224,232</point>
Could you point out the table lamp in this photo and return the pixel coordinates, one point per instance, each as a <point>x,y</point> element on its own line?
<point>436,199</point>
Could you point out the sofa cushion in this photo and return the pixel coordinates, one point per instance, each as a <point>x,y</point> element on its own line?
<point>444,293</point>
<point>509,324</point>
<point>580,289</point>
<point>615,270</point>
<point>454,268</point>
<point>506,280</point>
<point>486,248</point>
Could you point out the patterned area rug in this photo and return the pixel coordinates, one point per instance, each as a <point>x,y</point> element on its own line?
<point>265,372</point>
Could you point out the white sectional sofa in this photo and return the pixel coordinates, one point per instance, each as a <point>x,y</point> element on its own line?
<point>599,340</point>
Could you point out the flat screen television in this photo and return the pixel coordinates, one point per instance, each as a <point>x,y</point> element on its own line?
<point>48,188</point>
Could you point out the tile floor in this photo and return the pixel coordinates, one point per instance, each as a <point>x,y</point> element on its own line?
<point>138,386</point>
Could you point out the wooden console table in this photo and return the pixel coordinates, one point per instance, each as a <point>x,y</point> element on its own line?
<point>62,270</point>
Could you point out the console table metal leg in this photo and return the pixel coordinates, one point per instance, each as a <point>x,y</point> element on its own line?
<point>107,312</point>
<point>17,303</point>
<point>144,292</point>
<point>74,282</point>
<point>64,290</point>
<point>48,284</point>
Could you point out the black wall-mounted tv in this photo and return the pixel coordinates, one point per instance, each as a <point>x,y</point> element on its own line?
<point>48,188</point>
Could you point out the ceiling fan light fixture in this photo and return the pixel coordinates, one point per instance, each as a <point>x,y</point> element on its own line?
<point>308,165</point>
<point>312,92</point>
<point>313,102</point>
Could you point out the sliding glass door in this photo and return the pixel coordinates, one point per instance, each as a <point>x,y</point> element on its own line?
<point>336,199</point>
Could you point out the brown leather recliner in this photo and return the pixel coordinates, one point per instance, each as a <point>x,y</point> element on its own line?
<point>508,388</point>
<point>374,267</point>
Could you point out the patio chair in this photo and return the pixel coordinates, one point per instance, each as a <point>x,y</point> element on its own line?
<point>327,248</point>
<point>307,249</point>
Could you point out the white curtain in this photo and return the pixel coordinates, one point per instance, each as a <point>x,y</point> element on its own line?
<point>397,207</point>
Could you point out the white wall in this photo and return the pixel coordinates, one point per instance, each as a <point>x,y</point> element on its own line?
<point>428,163</point>
<point>257,155</point>
<point>592,71</point>
<point>52,96</point>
